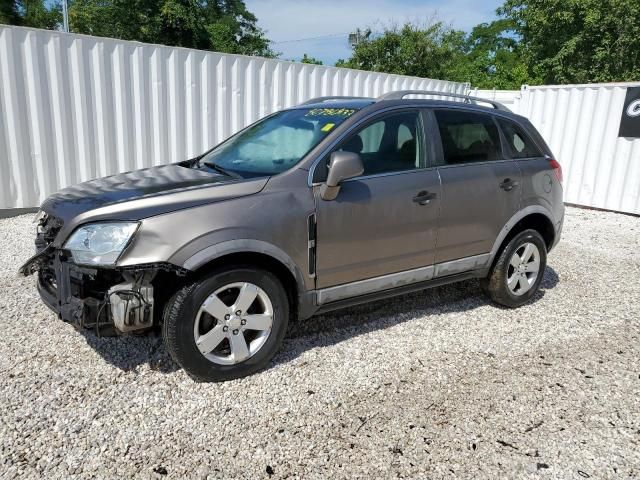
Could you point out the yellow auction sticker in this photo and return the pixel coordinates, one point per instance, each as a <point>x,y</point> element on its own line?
<point>328,127</point>
<point>326,112</point>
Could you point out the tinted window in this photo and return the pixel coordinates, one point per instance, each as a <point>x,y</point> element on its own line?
<point>519,142</point>
<point>372,138</point>
<point>388,145</point>
<point>393,143</point>
<point>468,137</point>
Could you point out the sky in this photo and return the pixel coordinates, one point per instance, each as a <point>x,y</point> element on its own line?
<point>294,25</point>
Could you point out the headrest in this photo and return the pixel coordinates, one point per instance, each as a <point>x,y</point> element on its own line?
<point>408,151</point>
<point>354,144</point>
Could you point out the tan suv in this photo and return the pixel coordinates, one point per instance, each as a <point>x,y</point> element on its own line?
<point>327,204</point>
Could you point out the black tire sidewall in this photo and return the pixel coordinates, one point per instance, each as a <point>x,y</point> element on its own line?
<point>527,236</point>
<point>183,317</point>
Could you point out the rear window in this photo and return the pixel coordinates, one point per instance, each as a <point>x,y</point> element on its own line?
<point>468,137</point>
<point>519,143</point>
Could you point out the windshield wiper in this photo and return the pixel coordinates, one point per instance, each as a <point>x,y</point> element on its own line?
<point>222,170</point>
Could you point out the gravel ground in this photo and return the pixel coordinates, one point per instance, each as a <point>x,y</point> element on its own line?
<point>435,384</point>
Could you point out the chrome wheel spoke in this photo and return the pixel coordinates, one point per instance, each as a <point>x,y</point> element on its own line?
<point>524,284</point>
<point>210,340</point>
<point>528,251</point>
<point>247,295</point>
<point>258,322</point>
<point>533,266</point>
<point>215,307</point>
<point>239,347</point>
<point>515,261</point>
<point>513,281</point>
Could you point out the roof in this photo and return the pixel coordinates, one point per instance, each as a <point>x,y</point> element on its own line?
<point>371,105</point>
<point>338,102</point>
<point>398,98</point>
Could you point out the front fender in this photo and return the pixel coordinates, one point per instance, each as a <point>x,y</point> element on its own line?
<point>273,223</point>
<point>306,298</point>
<point>243,245</point>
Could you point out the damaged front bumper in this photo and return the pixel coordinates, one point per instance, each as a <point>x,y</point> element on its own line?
<point>63,288</point>
<point>109,300</point>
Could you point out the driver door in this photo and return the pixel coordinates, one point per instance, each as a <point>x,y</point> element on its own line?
<point>380,231</point>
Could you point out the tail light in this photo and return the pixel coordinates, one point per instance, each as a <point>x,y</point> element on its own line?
<point>557,169</point>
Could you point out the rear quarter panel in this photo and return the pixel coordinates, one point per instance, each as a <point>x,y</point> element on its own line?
<point>542,181</point>
<point>540,187</point>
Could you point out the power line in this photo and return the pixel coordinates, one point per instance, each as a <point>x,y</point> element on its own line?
<point>65,16</point>
<point>311,38</point>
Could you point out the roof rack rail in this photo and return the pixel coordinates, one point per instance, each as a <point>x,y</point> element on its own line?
<point>336,98</point>
<point>400,94</point>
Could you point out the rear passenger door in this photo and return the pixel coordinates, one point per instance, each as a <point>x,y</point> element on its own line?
<point>480,189</point>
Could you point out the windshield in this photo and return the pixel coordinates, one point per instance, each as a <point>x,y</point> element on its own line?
<point>275,143</point>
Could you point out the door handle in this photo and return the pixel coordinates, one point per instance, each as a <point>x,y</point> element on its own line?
<point>424,197</point>
<point>507,184</point>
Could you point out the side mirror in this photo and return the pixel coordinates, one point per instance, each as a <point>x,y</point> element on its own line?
<point>343,166</point>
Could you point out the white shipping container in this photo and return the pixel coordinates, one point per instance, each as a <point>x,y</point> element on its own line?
<point>76,107</point>
<point>581,123</point>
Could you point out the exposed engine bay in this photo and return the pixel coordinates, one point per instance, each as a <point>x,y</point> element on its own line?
<point>111,301</point>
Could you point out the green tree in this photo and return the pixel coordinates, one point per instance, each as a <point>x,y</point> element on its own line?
<point>578,41</point>
<point>223,25</point>
<point>30,13</point>
<point>488,57</point>
<point>124,19</point>
<point>311,60</point>
<point>429,51</point>
<point>493,57</point>
<point>232,28</point>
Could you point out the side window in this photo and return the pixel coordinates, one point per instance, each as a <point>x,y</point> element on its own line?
<point>468,137</point>
<point>372,137</point>
<point>519,143</point>
<point>390,144</point>
<point>404,135</point>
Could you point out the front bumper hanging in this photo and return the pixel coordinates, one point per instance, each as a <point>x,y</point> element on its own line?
<point>104,298</point>
<point>60,285</point>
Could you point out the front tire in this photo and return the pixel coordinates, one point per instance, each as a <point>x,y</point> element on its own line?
<point>518,271</point>
<point>227,325</point>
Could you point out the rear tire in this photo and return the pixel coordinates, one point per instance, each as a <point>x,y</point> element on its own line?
<point>518,271</point>
<point>227,325</point>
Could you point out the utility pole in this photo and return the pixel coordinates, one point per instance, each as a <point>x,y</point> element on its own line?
<point>65,16</point>
<point>358,36</point>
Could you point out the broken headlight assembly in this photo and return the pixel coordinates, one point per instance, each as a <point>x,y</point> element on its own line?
<point>99,244</point>
<point>39,217</point>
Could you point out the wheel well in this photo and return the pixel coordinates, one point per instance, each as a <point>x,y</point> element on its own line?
<point>540,223</point>
<point>262,261</point>
<point>535,221</point>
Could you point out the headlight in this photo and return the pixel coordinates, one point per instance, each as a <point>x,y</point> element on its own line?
<point>100,243</point>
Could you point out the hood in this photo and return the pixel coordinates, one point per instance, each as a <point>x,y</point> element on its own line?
<point>143,193</point>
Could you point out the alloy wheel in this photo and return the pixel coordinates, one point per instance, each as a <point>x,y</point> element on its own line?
<point>233,323</point>
<point>523,269</point>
